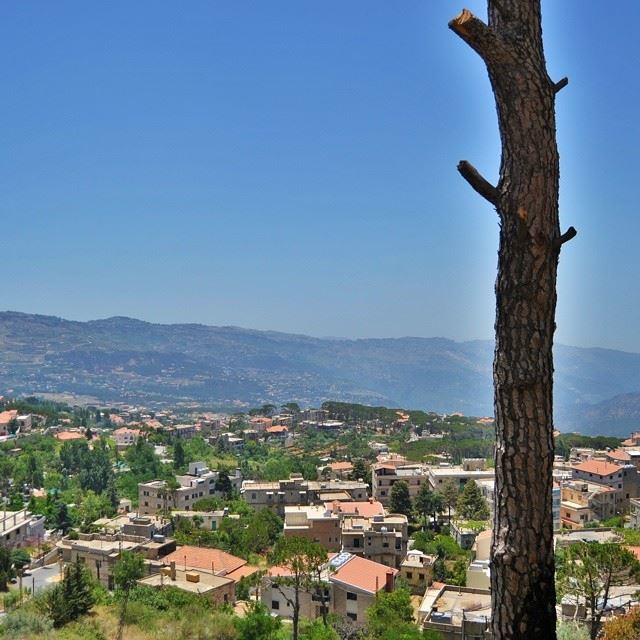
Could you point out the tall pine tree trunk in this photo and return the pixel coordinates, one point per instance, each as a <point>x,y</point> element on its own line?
<point>526,200</point>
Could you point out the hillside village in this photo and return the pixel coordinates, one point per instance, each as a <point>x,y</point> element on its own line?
<point>384,502</point>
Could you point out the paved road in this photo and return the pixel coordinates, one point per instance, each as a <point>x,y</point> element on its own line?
<point>39,579</point>
<point>42,577</point>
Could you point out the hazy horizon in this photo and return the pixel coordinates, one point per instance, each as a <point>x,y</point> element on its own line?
<point>247,327</point>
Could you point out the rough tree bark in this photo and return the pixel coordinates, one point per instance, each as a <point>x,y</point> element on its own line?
<point>526,199</point>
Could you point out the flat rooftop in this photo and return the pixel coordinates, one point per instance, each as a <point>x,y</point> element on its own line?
<point>458,600</point>
<point>451,472</point>
<point>206,583</point>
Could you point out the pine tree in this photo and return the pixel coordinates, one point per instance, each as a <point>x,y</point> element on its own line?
<point>72,598</point>
<point>526,201</point>
<point>471,505</point>
<point>427,502</point>
<point>178,455</point>
<point>223,484</point>
<point>400,499</point>
<point>77,589</point>
<point>7,571</point>
<point>128,570</point>
<point>62,518</point>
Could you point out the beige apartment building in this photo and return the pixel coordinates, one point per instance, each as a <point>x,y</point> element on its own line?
<point>314,522</point>
<point>439,476</point>
<point>382,539</point>
<point>298,491</point>
<point>360,528</point>
<point>351,585</point>
<point>198,483</point>
<point>99,553</point>
<point>20,528</point>
<point>584,502</point>
<point>417,570</point>
<point>385,474</point>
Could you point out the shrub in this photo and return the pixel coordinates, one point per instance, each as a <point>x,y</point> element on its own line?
<point>25,623</point>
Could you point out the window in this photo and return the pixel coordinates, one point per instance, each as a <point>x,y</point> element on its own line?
<point>409,575</point>
<point>352,596</point>
<point>352,616</point>
<point>275,604</point>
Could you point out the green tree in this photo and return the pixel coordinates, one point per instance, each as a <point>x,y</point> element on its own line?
<point>142,460</point>
<point>223,484</point>
<point>587,572</point>
<point>400,501</point>
<point>70,599</point>
<point>61,518</point>
<point>93,507</point>
<point>303,560</point>
<point>360,470</point>
<point>96,471</point>
<point>178,455</point>
<point>16,501</point>
<point>390,617</point>
<point>471,505</point>
<point>34,471</point>
<point>263,529</point>
<point>428,503</point>
<point>317,630</point>
<point>7,570</point>
<point>112,493</point>
<point>450,492</point>
<point>128,570</point>
<point>257,624</point>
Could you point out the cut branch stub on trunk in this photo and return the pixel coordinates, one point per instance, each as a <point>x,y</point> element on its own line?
<point>478,182</point>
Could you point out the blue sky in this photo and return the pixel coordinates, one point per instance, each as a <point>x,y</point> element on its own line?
<point>291,166</point>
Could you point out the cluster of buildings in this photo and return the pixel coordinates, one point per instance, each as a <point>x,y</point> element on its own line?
<point>211,573</point>
<point>12,423</point>
<point>363,529</point>
<point>347,587</point>
<point>199,482</point>
<point>598,485</point>
<point>391,468</point>
<point>296,491</point>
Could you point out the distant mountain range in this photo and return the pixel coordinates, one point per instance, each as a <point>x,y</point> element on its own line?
<point>121,359</point>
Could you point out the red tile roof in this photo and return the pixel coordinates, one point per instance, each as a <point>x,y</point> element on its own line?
<point>242,572</point>
<point>279,572</point>
<point>340,466</point>
<point>124,430</point>
<point>69,435</point>
<point>201,558</point>
<point>619,454</point>
<point>363,574</point>
<point>276,429</point>
<point>7,416</point>
<point>367,509</point>
<point>598,467</point>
